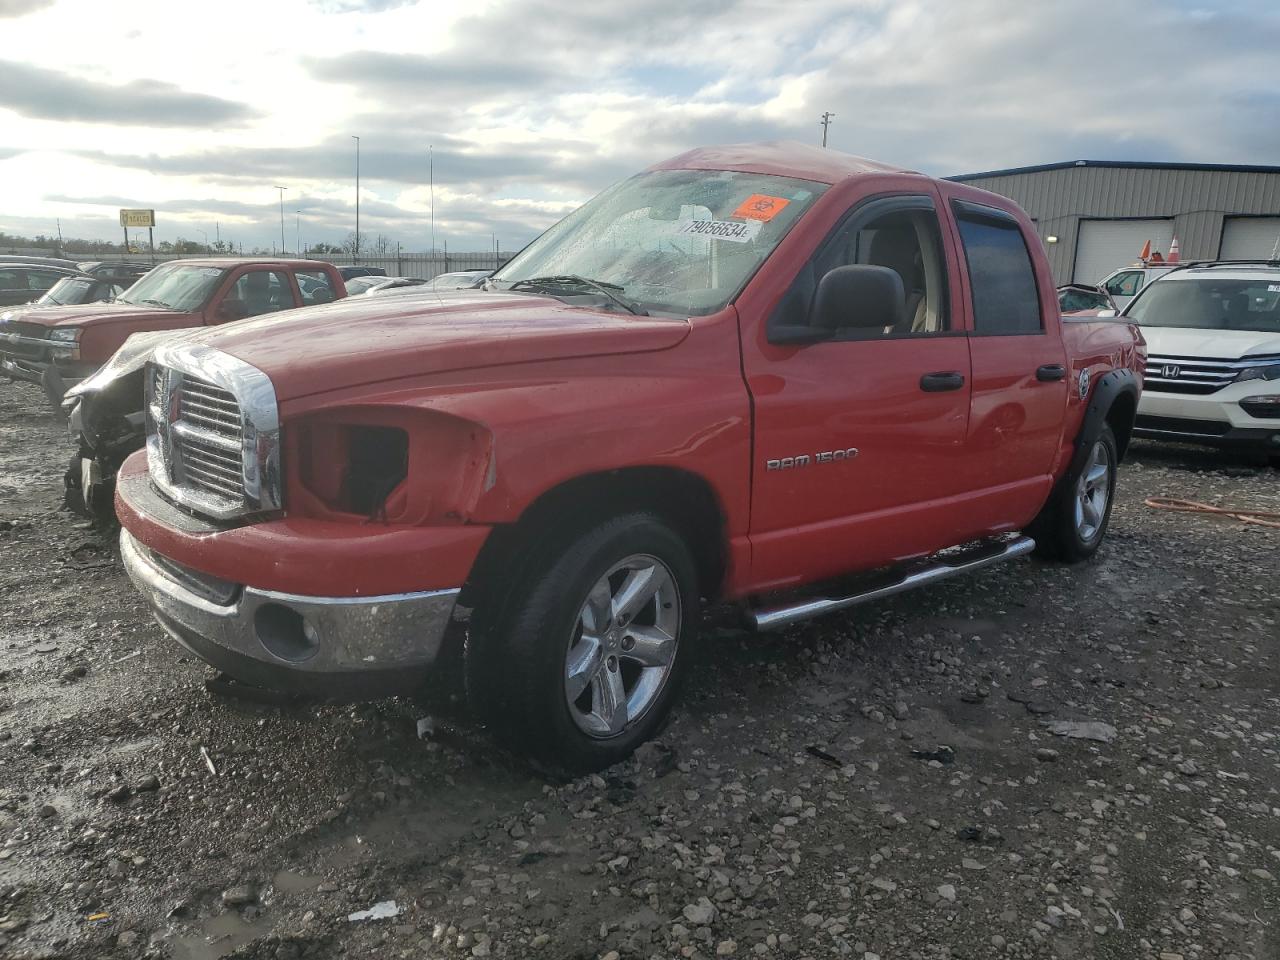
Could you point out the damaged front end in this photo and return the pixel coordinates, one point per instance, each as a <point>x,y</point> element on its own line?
<point>107,423</point>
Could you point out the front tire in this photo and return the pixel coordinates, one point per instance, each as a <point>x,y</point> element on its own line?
<point>580,661</point>
<point>1073,524</point>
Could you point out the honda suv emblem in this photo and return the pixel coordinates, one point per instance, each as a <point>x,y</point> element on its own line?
<point>1171,371</point>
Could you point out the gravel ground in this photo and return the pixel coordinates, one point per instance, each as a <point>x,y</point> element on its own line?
<point>882,784</point>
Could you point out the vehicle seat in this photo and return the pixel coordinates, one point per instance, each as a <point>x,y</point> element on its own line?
<point>898,249</point>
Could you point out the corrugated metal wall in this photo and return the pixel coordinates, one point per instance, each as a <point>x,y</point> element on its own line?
<point>1196,199</point>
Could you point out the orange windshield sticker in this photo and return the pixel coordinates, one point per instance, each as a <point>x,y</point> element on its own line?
<point>760,206</point>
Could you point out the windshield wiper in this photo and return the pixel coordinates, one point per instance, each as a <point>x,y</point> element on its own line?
<point>158,303</point>
<point>573,280</point>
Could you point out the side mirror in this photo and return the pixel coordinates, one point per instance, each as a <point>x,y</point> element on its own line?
<point>1108,313</point>
<point>859,296</point>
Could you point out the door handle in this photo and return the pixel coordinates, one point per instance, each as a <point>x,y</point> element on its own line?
<point>940,382</point>
<point>1051,372</point>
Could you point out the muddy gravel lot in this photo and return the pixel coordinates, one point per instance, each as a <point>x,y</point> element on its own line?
<point>890,783</point>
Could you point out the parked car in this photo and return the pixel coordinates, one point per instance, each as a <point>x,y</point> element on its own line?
<point>1127,282</point>
<point>80,288</point>
<point>736,376</point>
<point>349,273</point>
<point>1213,370</point>
<point>1084,299</point>
<point>357,286</point>
<point>24,282</point>
<point>119,270</point>
<point>59,346</point>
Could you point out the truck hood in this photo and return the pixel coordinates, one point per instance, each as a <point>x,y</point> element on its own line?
<point>84,314</point>
<point>1215,344</point>
<point>363,340</point>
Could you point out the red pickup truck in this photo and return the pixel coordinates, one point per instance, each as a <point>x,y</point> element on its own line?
<point>768,374</point>
<point>60,346</point>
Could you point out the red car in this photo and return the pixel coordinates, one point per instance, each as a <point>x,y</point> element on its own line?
<point>60,346</point>
<point>737,376</point>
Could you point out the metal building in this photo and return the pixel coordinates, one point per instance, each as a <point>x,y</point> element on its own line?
<point>1095,215</point>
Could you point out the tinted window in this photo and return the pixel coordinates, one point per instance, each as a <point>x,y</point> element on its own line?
<point>1001,278</point>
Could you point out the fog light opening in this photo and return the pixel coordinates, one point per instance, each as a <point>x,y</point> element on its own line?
<point>285,633</point>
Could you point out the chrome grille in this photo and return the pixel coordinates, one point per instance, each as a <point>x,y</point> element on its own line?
<point>1197,375</point>
<point>25,350</point>
<point>208,405</point>
<point>212,432</point>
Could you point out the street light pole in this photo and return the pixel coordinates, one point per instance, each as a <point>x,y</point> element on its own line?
<point>356,258</point>
<point>282,190</point>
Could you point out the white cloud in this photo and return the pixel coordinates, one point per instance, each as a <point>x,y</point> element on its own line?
<point>532,105</point>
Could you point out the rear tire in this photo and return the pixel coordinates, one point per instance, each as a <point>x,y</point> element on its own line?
<point>579,662</point>
<point>1074,522</point>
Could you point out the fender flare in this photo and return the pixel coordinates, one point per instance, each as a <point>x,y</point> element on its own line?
<point>1106,391</point>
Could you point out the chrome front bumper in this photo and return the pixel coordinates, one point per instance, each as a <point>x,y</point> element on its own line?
<point>342,647</point>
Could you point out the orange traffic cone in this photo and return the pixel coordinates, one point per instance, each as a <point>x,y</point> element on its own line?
<point>1173,252</point>
<point>1146,251</point>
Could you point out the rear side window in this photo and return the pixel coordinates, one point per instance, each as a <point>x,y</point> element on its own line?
<point>1001,277</point>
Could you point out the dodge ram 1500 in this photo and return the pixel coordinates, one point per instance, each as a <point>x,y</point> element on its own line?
<point>769,374</point>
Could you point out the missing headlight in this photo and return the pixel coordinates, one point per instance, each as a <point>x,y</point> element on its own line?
<point>377,463</point>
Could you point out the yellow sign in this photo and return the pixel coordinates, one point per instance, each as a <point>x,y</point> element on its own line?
<point>137,218</point>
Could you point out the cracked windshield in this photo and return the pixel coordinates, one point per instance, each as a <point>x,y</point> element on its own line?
<point>680,242</point>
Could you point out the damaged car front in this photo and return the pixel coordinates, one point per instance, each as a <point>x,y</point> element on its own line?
<point>107,422</point>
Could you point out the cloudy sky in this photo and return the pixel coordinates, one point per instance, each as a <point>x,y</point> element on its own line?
<point>530,106</point>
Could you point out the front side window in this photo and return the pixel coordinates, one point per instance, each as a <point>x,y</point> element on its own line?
<point>1210,303</point>
<point>1002,280</point>
<point>175,286</point>
<point>1125,284</point>
<point>258,292</point>
<point>676,242</point>
<point>42,279</point>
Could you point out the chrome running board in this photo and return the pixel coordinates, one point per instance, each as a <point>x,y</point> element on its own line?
<point>940,566</point>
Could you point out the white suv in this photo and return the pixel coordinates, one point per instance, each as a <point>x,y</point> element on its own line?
<point>1213,356</point>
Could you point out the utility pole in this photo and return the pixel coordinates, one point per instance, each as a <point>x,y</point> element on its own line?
<point>217,232</point>
<point>59,236</point>
<point>356,258</point>
<point>431,180</point>
<point>827,117</point>
<point>282,190</point>
<point>297,231</point>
